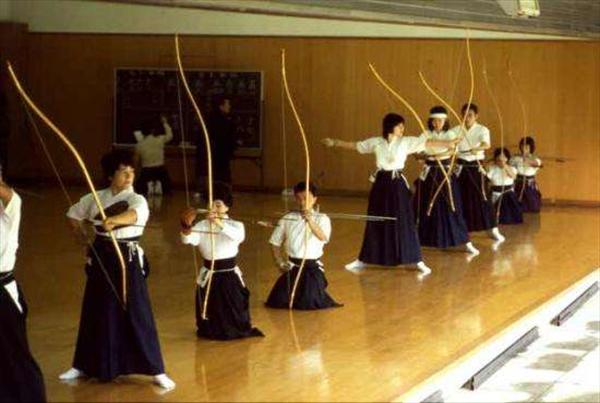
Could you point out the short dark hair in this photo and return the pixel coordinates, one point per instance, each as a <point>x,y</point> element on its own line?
<point>301,187</point>
<point>471,107</point>
<point>438,109</point>
<point>113,160</point>
<point>501,150</point>
<point>529,141</point>
<point>388,123</point>
<point>222,191</point>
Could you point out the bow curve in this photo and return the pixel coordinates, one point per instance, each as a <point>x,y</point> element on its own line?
<point>463,134</point>
<point>519,97</point>
<point>24,96</point>
<point>210,173</point>
<point>423,129</point>
<point>307,173</point>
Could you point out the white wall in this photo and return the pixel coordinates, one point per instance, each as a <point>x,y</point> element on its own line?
<point>5,6</point>
<point>88,16</point>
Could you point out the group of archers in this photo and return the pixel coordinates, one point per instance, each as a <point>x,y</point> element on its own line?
<point>118,336</point>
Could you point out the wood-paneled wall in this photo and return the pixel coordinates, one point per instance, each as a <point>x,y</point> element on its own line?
<point>13,42</point>
<point>71,76</point>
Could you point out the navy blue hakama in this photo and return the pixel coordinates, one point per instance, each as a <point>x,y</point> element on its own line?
<point>390,243</point>
<point>443,228</point>
<point>507,206</point>
<point>228,309</point>
<point>114,341</point>
<point>528,194</point>
<point>476,206</point>
<point>311,293</point>
<point>21,379</point>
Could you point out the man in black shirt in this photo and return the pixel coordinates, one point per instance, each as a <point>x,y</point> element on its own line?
<point>221,130</point>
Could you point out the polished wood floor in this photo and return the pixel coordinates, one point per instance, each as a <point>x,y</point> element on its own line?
<point>393,332</point>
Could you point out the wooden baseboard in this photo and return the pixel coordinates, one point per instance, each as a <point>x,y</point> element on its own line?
<point>570,203</point>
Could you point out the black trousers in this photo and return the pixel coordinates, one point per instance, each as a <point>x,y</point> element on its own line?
<point>21,379</point>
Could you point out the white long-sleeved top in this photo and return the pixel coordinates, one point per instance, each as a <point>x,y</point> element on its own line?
<point>433,135</point>
<point>518,162</point>
<point>10,219</point>
<point>152,148</point>
<point>498,177</point>
<point>227,239</point>
<point>291,230</point>
<point>475,136</point>
<point>86,209</point>
<point>391,156</point>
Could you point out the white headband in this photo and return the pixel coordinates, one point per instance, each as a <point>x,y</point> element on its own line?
<point>438,115</point>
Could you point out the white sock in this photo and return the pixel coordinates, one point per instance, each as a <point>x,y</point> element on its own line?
<point>356,265</point>
<point>164,381</point>
<point>422,267</point>
<point>497,235</point>
<point>158,187</point>
<point>496,245</point>
<point>71,374</point>
<point>472,249</point>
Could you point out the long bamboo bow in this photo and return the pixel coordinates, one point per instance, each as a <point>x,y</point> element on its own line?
<point>209,176</point>
<point>307,174</point>
<point>494,101</point>
<point>186,181</point>
<point>70,202</point>
<point>423,129</point>
<point>519,97</point>
<point>463,134</point>
<point>24,96</point>
<point>523,113</point>
<point>500,122</point>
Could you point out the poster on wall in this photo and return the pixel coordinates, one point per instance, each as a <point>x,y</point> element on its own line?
<point>144,94</point>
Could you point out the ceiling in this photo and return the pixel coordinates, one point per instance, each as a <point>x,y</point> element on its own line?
<point>566,17</point>
<point>572,18</point>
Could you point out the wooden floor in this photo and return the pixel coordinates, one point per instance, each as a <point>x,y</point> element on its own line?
<point>393,332</point>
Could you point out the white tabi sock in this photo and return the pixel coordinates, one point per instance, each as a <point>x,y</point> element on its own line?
<point>164,381</point>
<point>71,374</point>
<point>355,266</point>
<point>423,268</point>
<point>495,233</point>
<point>471,249</point>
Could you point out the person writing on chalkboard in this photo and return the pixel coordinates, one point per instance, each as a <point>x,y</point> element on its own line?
<point>221,129</point>
<point>150,147</point>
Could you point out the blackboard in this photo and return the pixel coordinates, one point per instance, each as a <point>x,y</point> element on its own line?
<point>146,93</point>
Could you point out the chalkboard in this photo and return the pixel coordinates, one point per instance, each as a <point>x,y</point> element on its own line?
<point>143,94</point>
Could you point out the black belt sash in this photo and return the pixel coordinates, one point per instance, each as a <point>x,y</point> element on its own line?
<point>221,264</point>
<point>502,188</point>
<point>392,172</point>
<point>466,163</point>
<point>445,163</point>
<point>107,238</point>
<point>6,278</point>
<point>525,177</point>
<point>298,261</point>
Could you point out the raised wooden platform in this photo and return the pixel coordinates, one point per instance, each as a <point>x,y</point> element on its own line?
<point>393,332</point>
